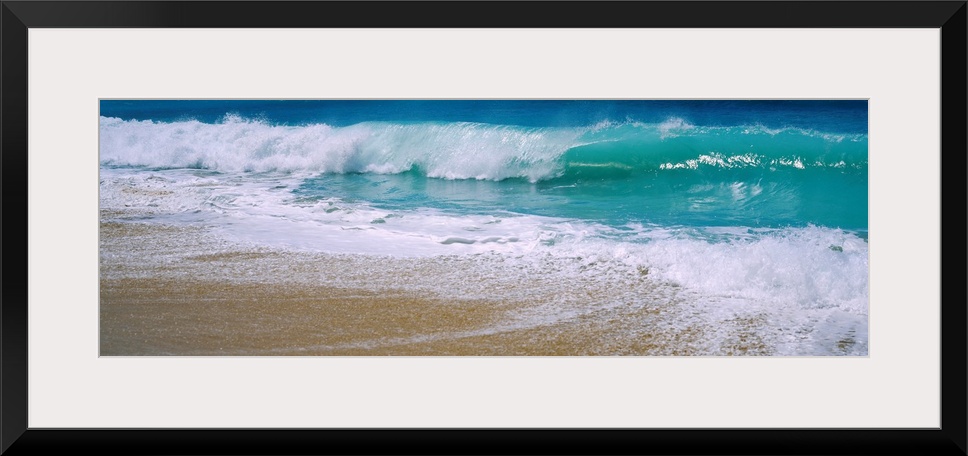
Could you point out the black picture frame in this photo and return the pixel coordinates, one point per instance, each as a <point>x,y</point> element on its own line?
<point>18,16</point>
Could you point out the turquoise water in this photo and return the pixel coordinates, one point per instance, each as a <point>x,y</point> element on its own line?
<point>732,176</point>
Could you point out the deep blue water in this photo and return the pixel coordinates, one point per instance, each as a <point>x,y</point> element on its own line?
<point>834,116</point>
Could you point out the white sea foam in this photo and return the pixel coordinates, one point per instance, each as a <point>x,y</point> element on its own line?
<point>806,287</point>
<point>451,150</point>
<point>458,150</point>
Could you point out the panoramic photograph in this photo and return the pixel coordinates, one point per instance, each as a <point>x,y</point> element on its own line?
<point>483,227</point>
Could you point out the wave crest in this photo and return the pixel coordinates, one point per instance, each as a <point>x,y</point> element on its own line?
<point>463,150</point>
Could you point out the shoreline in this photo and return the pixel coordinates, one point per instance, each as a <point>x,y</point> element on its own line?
<point>182,291</point>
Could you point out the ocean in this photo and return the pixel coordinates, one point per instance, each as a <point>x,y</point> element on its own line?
<point>739,216</point>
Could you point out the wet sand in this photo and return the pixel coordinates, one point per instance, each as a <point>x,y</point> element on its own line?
<point>168,290</point>
<point>162,317</point>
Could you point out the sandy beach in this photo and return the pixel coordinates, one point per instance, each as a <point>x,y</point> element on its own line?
<point>169,290</point>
